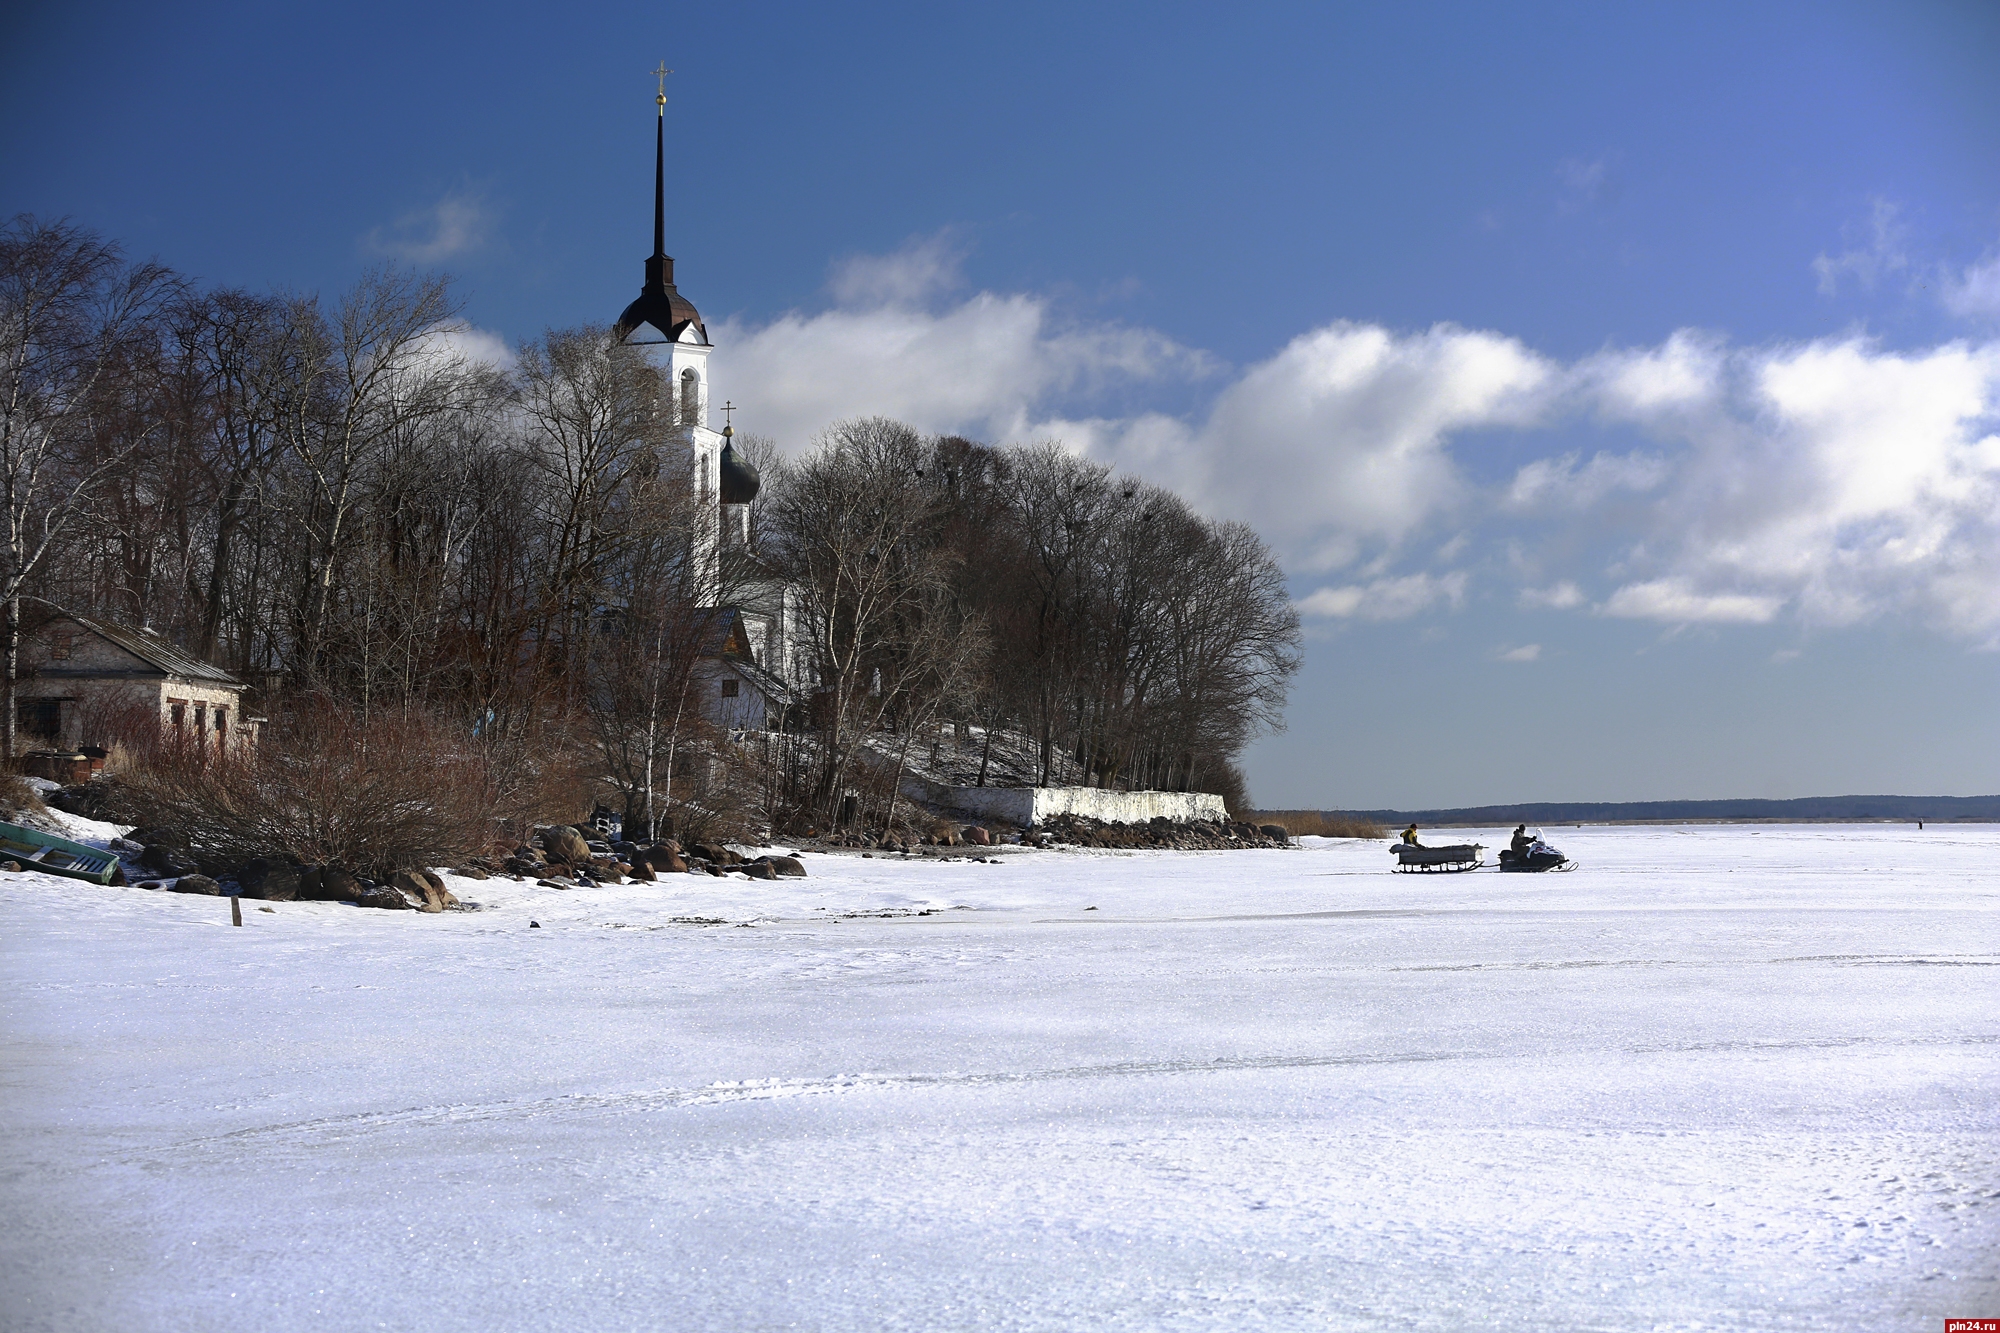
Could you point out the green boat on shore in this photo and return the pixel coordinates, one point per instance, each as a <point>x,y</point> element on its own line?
<point>36,850</point>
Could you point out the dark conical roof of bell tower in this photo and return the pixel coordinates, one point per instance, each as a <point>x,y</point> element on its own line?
<point>660,305</point>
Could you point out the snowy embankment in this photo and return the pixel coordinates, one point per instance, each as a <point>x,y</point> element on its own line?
<point>1735,1078</point>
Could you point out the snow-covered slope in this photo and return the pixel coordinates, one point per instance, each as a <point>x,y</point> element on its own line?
<point>1718,1078</point>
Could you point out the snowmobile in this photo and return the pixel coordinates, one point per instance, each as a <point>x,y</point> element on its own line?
<point>1538,856</point>
<point>1411,858</point>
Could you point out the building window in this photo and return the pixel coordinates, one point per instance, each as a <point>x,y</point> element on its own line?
<point>221,725</point>
<point>729,688</point>
<point>40,718</point>
<point>177,709</point>
<point>690,397</point>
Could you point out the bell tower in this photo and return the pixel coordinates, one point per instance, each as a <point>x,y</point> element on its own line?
<point>669,328</point>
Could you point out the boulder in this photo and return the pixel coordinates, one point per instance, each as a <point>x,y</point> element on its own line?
<point>167,860</point>
<point>567,846</point>
<point>786,867</point>
<point>976,836</point>
<point>717,854</point>
<point>339,885</point>
<point>384,896</point>
<point>642,872</point>
<point>196,884</point>
<point>471,872</point>
<point>759,870</point>
<point>1277,831</point>
<point>271,880</point>
<point>425,891</point>
<point>662,855</point>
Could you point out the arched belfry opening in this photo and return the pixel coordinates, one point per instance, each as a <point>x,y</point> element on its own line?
<point>690,397</point>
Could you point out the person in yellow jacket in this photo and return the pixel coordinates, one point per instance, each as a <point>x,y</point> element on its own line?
<point>1410,836</point>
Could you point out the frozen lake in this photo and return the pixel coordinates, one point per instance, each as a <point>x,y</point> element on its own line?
<point>1719,1078</point>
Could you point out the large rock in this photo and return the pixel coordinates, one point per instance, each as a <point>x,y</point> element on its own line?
<point>165,860</point>
<point>717,854</point>
<point>642,872</point>
<point>385,896</point>
<point>196,884</point>
<point>416,885</point>
<point>977,836</point>
<point>271,880</point>
<point>659,856</point>
<point>339,885</point>
<point>566,845</point>
<point>1277,831</point>
<point>786,867</point>
<point>759,870</point>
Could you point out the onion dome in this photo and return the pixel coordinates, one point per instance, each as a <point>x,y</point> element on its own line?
<point>659,304</point>
<point>740,482</point>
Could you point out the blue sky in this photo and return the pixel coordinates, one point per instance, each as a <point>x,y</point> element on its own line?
<point>1619,382</point>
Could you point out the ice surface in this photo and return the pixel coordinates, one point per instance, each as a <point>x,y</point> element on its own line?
<point>1719,1078</point>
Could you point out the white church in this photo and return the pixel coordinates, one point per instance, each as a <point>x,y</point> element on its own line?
<point>755,665</point>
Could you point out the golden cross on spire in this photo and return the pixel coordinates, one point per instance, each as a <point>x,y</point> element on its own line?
<point>663,71</point>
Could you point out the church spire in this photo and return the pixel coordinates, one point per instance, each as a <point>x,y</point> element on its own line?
<point>660,268</point>
<point>660,307</point>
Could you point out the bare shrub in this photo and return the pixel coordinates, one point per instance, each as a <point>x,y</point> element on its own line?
<point>327,785</point>
<point>18,798</point>
<point>1318,823</point>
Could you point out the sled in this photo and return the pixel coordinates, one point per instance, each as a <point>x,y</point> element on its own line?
<point>1437,860</point>
<point>36,850</point>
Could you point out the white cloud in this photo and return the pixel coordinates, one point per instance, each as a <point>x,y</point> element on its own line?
<point>1527,652</point>
<point>982,366</point>
<point>1585,182</point>
<point>925,267</point>
<point>456,225</point>
<point>1562,596</point>
<point>1385,598</point>
<point>1340,442</point>
<point>1879,254</point>
<point>1559,481</point>
<point>462,340</point>
<point>1672,600</point>
<point>1975,291</point>
<point>1829,482</point>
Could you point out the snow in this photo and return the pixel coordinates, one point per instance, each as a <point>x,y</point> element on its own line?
<point>1718,1078</point>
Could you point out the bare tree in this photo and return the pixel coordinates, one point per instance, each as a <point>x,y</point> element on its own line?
<point>74,318</point>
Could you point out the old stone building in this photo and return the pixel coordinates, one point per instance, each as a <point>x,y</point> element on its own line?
<point>83,681</point>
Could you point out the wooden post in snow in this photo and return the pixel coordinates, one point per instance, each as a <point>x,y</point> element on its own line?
<point>235,910</point>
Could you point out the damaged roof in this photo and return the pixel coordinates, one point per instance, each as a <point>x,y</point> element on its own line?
<point>156,652</point>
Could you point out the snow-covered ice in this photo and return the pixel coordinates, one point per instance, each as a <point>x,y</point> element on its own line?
<point>1719,1078</point>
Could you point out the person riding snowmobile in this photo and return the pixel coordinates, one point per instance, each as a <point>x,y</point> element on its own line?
<point>1521,842</point>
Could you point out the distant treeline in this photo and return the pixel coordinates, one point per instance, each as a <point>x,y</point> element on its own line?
<point>1837,809</point>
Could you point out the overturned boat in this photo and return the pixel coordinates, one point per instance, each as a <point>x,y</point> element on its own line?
<point>1412,859</point>
<point>1537,856</point>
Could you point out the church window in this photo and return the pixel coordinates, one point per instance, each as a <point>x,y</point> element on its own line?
<point>729,688</point>
<point>690,397</point>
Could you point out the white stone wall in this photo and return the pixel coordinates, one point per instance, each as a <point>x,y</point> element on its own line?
<point>1026,807</point>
